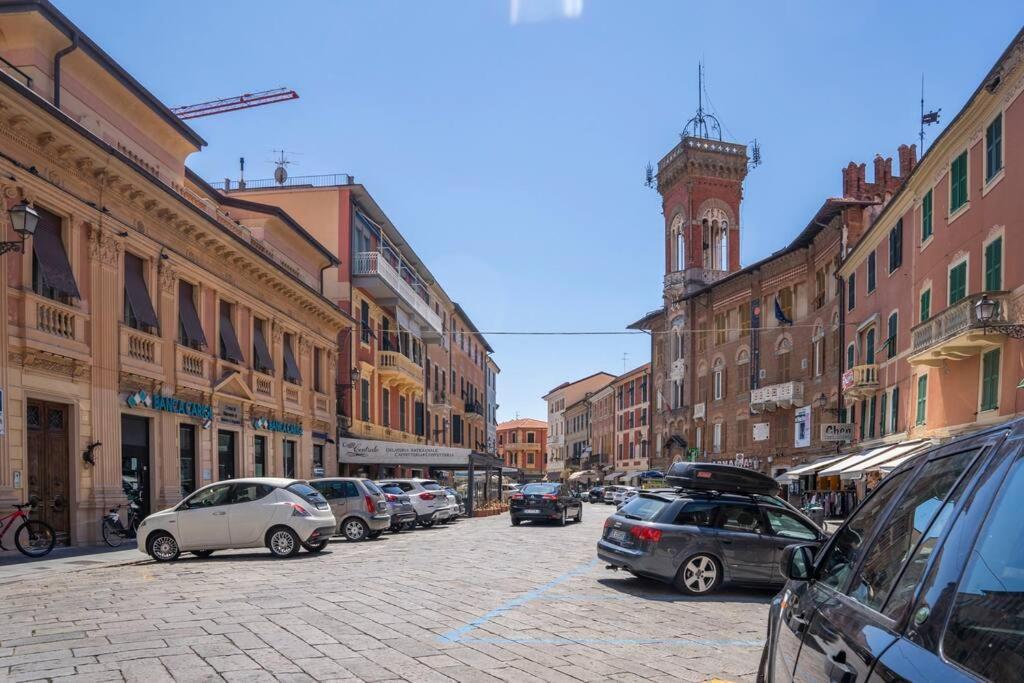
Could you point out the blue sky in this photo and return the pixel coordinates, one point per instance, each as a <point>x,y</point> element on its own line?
<point>511,153</point>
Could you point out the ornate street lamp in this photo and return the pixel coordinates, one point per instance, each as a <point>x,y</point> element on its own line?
<point>986,310</point>
<point>24,220</point>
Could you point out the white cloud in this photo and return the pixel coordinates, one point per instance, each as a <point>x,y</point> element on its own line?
<point>532,11</point>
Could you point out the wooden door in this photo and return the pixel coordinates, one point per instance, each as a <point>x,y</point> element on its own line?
<point>48,466</point>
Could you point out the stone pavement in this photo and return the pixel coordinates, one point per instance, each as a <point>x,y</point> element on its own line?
<point>478,600</point>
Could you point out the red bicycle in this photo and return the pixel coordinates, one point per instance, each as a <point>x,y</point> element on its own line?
<point>33,537</point>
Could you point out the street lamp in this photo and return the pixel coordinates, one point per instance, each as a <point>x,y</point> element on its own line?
<point>23,219</point>
<point>985,309</point>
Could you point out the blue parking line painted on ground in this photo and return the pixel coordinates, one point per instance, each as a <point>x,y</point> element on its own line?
<point>616,641</point>
<point>455,635</point>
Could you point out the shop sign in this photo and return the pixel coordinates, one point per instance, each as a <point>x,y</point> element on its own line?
<point>761,431</point>
<point>170,404</point>
<point>269,425</point>
<point>802,424</point>
<point>231,413</point>
<point>837,431</point>
<point>392,453</point>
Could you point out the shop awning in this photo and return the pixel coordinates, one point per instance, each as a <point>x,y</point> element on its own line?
<point>136,293</point>
<point>584,474</point>
<point>851,460</point>
<point>53,259</point>
<point>811,468</point>
<point>188,317</point>
<point>883,458</point>
<point>613,476</point>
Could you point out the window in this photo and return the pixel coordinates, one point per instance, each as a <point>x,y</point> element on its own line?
<point>530,438</point>
<point>229,348</point>
<point>984,632</point>
<point>187,458</point>
<point>958,183</point>
<point>741,518</point>
<point>994,265</point>
<point>215,495</point>
<point>696,513</point>
<point>994,148</point>
<point>289,459</point>
<point>891,547</point>
<point>138,308</point>
<point>922,398</point>
<point>784,366</point>
<point>818,351</point>
<point>892,328</point>
<point>262,359</point>
<point>719,328</point>
<point>291,368</point>
<point>882,421</point>
<point>259,455</point>
<point>318,383</point>
<point>744,313</point>
<point>871,272</point>
<point>990,380</point>
<point>385,404</point>
<point>716,437</point>
<point>788,526</point>
<point>52,276</point>
<point>718,382</point>
<point>894,417</point>
<point>926,304</point>
<point>190,330</point>
<point>957,282</point>
<point>851,354</point>
<point>364,400</point>
<point>848,544</point>
<point>248,493</point>
<point>851,292</point>
<point>863,419</point>
<point>896,246</point>
<point>869,346</point>
<point>364,322</point>
<point>742,431</point>
<point>871,420</point>
<point>402,424</point>
<point>926,216</point>
<point>786,302</point>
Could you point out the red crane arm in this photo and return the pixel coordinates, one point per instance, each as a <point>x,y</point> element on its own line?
<point>246,101</point>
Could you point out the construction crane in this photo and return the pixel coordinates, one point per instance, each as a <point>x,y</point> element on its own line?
<point>246,101</point>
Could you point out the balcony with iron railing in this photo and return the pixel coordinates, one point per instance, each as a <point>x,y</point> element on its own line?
<point>860,381</point>
<point>375,272</point>
<point>957,332</point>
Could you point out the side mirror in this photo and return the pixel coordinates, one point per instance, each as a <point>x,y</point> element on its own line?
<point>798,562</point>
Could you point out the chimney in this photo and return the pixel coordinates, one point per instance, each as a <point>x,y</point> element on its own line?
<point>908,159</point>
<point>880,170</point>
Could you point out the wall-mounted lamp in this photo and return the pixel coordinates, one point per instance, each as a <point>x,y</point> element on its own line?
<point>24,220</point>
<point>87,455</point>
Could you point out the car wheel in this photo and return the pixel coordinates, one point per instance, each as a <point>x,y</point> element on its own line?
<point>564,519</point>
<point>354,529</point>
<point>163,547</point>
<point>202,553</point>
<point>426,524</point>
<point>398,528</point>
<point>409,526</point>
<point>579,515</point>
<point>282,542</point>
<point>374,534</point>
<point>315,547</point>
<point>516,522</point>
<point>699,575</point>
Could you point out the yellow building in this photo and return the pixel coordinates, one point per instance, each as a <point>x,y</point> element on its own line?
<point>155,335</point>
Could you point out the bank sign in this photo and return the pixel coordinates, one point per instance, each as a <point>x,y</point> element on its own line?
<point>277,426</point>
<point>391,453</point>
<point>170,404</point>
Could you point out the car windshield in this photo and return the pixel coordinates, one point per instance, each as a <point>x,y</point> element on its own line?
<point>540,489</point>
<point>371,487</point>
<point>431,486</point>
<point>643,508</point>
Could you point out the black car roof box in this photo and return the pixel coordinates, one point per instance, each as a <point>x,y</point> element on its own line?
<point>705,476</point>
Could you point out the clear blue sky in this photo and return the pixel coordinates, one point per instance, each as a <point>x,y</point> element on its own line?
<point>511,154</point>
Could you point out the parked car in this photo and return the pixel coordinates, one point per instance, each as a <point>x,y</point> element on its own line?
<point>545,502</point>
<point>403,515</point>
<point>358,504</point>
<point>507,490</point>
<point>459,501</point>
<point>596,494</point>
<point>922,583</point>
<point>710,531</point>
<point>629,495</point>
<point>614,494</point>
<point>428,499</point>
<point>280,514</point>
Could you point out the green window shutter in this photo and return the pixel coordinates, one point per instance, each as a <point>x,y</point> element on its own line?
<point>882,416</point>
<point>990,380</point>
<point>851,292</point>
<point>849,356</point>
<point>926,216</point>
<point>922,398</point>
<point>863,419</point>
<point>957,283</point>
<point>895,410</point>
<point>994,265</point>
<point>871,272</point>
<point>958,183</point>
<point>926,304</point>
<point>994,148</point>
<point>891,341</point>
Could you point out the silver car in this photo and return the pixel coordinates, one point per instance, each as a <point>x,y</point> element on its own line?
<point>359,505</point>
<point>403,514</point>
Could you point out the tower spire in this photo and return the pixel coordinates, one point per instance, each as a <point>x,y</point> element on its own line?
<point>703,124</point>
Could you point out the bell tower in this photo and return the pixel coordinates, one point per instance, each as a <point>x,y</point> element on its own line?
<point>701,186</point>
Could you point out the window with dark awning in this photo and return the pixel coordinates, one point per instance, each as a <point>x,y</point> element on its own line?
<point>190,330</point>
<point>291,368</point>
<point>139,308</point>
<point>264,361</point>
<point>229,347</point>
<point>51,268</point>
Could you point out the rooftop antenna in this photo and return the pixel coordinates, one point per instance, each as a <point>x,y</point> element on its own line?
<point>703,124</point>
<point>241,173</point>
<point>927,119</point>
<point>755,155</point>
<point>625,359</point>
<point>281,173</point>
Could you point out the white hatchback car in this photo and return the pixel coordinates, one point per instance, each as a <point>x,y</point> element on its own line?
<point>280,514</point>
<point>428,498</point>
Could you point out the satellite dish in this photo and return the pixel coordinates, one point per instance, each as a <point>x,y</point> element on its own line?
<point>280,175</point>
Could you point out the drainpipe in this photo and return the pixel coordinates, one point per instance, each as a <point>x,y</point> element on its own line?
<point>56,68</point>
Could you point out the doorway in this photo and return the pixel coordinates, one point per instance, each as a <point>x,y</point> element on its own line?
<point>289,459</point>
<point>49,473</point>
<point>187,458</point>
<point>135,460</point>
<point>225,455</point>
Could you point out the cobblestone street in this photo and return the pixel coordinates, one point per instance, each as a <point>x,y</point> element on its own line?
<point>475,601</point>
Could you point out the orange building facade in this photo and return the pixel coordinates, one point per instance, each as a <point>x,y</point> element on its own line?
<point>521,444</point>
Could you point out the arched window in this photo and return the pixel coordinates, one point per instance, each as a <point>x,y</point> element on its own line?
<point>723,246</point>
<point>680,251</point>
<point>677,244</point>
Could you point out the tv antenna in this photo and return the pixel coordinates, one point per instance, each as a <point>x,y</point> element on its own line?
<point>281,172</point>
<point>927,118</point>
<point>703,124</point>
<point>625,359</point>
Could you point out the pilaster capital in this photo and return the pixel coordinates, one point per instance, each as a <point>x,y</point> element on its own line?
<point>103,246</point>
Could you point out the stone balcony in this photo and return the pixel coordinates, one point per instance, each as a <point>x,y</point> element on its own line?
<point>396,370</point>
<point>775,396</point>
<point>142,353</point>
<point>860,381</point>
<point>957,333</point>
<point>51,326</point>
